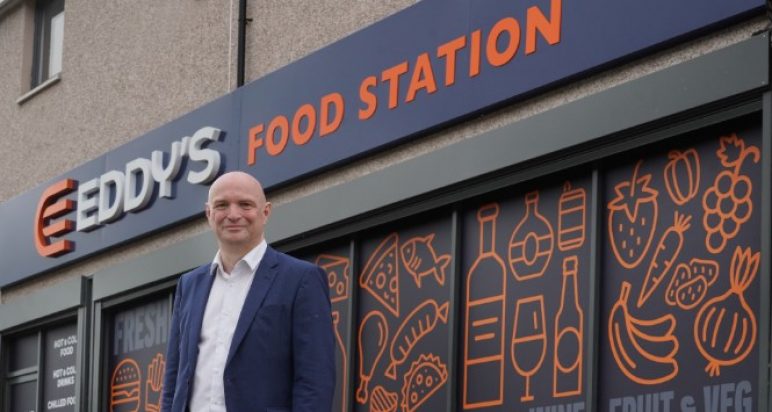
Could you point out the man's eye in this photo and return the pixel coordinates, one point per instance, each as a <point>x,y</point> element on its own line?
<point>220,206</point>
<point>246,205</point>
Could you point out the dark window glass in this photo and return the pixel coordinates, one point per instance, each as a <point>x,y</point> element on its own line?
<point>23,352</point>
<point>49,34</point>
<point>22,397</point>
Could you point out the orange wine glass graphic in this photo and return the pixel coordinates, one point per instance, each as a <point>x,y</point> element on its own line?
<point>529,340</point>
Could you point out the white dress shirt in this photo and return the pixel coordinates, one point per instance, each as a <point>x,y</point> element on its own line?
<point>226,299</point>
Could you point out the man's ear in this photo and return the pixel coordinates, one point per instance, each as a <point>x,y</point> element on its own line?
<point>207,210</point>
<point>267,210</point>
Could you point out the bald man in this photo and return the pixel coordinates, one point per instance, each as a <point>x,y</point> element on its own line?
<point>252,331</point>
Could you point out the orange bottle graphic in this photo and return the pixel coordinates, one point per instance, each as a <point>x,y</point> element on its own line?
<point>486,287</point>
<point>569,335</point>
<point>530,247</point>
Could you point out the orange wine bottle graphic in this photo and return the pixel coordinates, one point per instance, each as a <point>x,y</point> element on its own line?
<point>569,335</point>
<point>530,247</point>
<point>486,288</point>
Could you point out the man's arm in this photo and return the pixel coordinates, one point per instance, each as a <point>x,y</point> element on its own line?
<point>172,354</point>
<point>313,345</point>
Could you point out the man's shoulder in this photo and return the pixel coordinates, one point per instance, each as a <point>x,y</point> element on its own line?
<point>285,259</point>
<point>195,273</point>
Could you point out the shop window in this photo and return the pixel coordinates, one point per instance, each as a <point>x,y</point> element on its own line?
<point>49,40</point>
<point>41,369</point>
<point>137,337</point>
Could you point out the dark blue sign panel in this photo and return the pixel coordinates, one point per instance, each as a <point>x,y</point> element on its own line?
<point>156,180</point>
<point>420,69</point>
<point>436,62</point>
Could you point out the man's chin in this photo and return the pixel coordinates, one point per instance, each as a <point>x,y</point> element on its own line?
<point>235,240</point>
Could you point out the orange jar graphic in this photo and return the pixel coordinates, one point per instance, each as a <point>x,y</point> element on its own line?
<point>530,247</point>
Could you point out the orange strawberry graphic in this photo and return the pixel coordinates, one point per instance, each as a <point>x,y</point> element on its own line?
<point>632,218</point>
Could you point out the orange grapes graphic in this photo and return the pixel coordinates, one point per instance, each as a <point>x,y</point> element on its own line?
<point>727,203</point>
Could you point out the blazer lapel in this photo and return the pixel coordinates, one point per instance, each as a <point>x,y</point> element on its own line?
<point>266,272</point>
<point>201,288</point>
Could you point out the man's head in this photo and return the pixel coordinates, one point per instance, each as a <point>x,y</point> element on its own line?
<point>237,211</point>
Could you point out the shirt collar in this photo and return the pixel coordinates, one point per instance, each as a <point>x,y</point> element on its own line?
<point>252,258</point>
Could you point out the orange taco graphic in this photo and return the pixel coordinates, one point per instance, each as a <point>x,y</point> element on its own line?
<point>425,377</point>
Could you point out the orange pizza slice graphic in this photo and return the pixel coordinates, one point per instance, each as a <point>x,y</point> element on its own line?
<point>381,274</point>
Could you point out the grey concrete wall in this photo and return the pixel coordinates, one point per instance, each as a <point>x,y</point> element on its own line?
<point>133,66</point>
<point>128,67</point>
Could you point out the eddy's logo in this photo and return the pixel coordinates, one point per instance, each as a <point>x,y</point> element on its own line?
<point>110,196</point>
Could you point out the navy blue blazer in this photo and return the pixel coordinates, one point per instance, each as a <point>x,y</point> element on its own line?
<point>282,355</point>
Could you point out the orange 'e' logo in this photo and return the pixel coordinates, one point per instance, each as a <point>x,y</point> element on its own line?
<point>48,210</point>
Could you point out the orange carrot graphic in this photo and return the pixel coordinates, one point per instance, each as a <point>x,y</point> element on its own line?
<point>665,254</point>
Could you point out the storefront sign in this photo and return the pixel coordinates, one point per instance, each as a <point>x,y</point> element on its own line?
<point>424,67</point>
<point>152,182</point>
<point>60,369</point>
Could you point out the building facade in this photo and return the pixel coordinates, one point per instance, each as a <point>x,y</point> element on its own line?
<point>532,206</point>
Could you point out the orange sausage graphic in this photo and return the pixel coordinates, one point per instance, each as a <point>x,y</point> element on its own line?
<point>421,321</point>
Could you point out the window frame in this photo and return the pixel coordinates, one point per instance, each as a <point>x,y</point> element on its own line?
<point>33,373</point>
<point>45,11</point>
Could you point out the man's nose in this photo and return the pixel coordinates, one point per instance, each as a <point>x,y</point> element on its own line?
<point>233,212</point>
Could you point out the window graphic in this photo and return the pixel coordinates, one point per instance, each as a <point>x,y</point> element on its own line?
<point>138,336</point>
<point>524,320</point>
<point>680,268</point>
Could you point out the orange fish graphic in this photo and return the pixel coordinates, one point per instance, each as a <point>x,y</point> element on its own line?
<point>419,258</point>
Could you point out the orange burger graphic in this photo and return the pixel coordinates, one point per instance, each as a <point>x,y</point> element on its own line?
<point>125,387</point>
